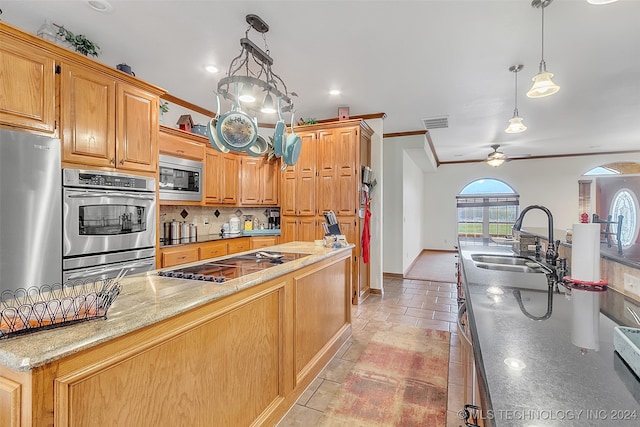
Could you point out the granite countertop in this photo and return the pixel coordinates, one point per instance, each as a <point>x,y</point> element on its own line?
<point>215,237</point>
<point>560,383</point>
<point>146,299</point>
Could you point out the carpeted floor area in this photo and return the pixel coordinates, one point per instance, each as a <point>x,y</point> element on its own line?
<point>400,379</point>
<point>435,266</point>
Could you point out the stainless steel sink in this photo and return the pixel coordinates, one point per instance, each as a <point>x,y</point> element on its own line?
<point>511,268</point>
<point>501,259</point>
<point>514,264</point>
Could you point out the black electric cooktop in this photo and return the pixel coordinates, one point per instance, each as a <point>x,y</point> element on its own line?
<point>231,268</point>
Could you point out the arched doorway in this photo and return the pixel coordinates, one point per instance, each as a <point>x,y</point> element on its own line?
<point>486,208</point>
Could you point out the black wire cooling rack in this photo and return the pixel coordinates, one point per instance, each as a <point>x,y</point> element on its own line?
<point>50,306</point>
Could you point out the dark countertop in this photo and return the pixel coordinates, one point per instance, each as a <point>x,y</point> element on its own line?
<point>560,384</point>
<point>214,237</point>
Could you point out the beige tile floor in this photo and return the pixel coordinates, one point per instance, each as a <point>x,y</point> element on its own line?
<point>414,302</point>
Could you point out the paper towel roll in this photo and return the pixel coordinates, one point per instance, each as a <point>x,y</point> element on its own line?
<point>585,252</point>
<point>585,266</point>
<point>585,322</point>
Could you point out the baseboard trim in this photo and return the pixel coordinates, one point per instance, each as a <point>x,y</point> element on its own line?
<point>390,275</point>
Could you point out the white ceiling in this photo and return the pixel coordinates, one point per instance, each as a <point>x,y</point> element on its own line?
<point>409,59</point>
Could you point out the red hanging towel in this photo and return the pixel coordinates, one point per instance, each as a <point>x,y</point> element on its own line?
<point>366,234</point>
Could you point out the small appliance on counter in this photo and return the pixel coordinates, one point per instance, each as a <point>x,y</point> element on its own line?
<point>273,218</point>
<point>248,222</point>
<point>234,227</point>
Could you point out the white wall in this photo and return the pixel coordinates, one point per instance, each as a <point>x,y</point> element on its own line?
<point>392,207</point>
<point>549,182</point>
<point>405,160</point>
<point>413,222</point>
<point>378,162</point>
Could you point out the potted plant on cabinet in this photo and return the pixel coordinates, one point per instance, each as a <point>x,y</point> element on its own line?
<point>79,42</point>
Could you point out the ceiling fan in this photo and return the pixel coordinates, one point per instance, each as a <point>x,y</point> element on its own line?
<point>496,157</point>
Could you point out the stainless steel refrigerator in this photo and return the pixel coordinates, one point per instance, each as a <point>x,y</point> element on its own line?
<point>30,210</point>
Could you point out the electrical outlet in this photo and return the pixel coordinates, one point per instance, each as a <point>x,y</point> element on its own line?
<point>632,284</point>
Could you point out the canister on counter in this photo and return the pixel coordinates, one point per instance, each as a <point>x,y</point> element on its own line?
<point>184,232</point>
<point>175,232</point>
<point>193,233</point>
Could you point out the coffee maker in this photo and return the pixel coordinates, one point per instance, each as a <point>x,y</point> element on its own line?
<point>273,218</point>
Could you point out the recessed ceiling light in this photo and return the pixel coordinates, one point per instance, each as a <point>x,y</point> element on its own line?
<point>334,92</point>
<point>211,68</point>
<point>100,5</point>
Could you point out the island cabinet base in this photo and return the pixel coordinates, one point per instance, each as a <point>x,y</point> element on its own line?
<point>239,361</point>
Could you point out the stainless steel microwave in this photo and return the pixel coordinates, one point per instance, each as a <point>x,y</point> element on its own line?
<point>180,179</point>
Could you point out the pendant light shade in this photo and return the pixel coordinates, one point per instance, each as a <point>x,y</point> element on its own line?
<point>515,123</point>
<point>542,83</point>
<point>267,105</point>
<point>246,94</point>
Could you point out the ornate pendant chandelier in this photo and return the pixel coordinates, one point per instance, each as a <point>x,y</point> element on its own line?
<point>251,70</point>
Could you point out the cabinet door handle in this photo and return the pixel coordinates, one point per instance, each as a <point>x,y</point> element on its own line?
<point>121,162</point>
<point>473,414</point>
<point>112,161</point>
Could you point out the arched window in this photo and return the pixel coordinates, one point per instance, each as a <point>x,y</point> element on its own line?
<point>625,203</point>
<point>486,208</point>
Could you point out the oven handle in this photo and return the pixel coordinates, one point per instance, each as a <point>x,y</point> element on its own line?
<point>111,194</point>
<point>89,271</point>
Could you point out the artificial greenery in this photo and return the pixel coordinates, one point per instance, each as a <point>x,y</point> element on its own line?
<point>81,44</point>
<point>164,106</point>
<point>310,121</point>
<point>271,151</point>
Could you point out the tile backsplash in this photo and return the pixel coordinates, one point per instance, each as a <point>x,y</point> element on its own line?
<point>205,219</point>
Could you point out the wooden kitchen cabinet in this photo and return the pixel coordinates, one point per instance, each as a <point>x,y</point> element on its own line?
<point>183,254</point>
<point>327,177</point>
<point>239,244</point>
<point>27,86</point>
<point>220,178</point>
<point>179,255</point>
<point>177,143</point>
<point>300,228</point>
<point>212,249</point>
<point>298,183</point>
<point>259,180</point>
<point>106,122</point>
<point>258,242</point>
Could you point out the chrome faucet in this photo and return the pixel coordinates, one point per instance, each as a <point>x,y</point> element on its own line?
<point>552,253</point>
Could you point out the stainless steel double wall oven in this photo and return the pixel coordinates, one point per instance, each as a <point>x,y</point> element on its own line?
<point>108,224</point>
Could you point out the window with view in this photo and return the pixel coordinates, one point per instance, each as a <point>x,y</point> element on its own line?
<point>486,208</point>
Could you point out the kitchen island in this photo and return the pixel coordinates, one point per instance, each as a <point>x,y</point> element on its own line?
<point>186,352</point>
<point>529,371</point>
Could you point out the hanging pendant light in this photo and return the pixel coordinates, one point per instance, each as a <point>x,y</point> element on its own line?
<point>515,123</point>
<point>246,94</point>
<point>253,70</point>
<point>542,83</point>
<point>267,105</point>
